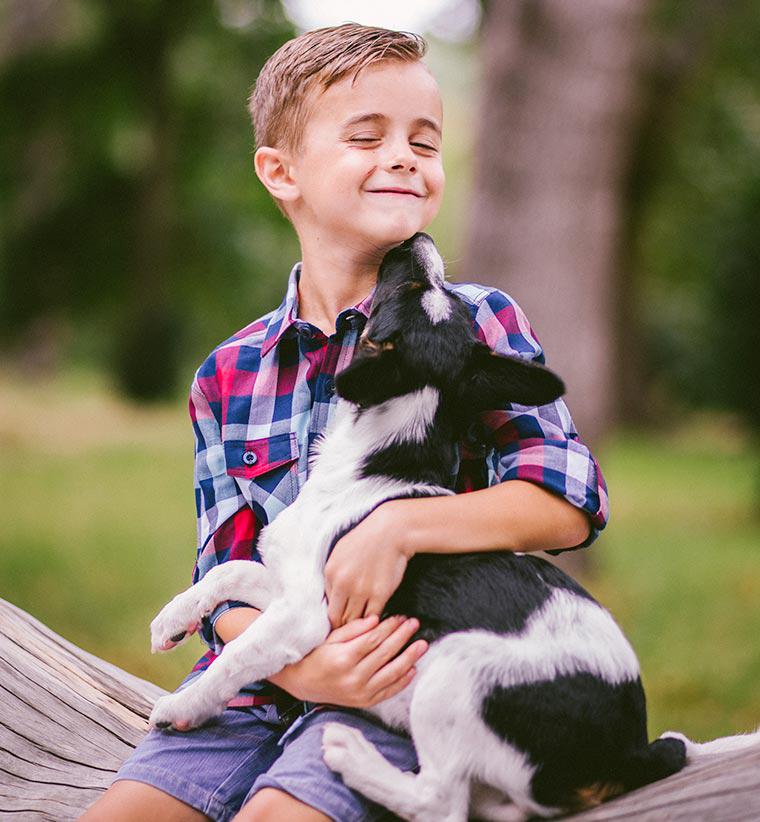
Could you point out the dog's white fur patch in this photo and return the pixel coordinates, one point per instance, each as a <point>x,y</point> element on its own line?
<point>435,301</point>
<point>437,305</point>
<point>727,744</point>
<point>431,260</point>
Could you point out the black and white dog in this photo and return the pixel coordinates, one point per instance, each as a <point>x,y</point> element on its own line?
<point>528,701</point>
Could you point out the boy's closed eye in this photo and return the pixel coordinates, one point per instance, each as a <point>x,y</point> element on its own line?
<point>424,146</point>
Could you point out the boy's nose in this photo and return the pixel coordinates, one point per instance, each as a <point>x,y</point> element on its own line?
<point>398,165</point>
<point>400,156</point>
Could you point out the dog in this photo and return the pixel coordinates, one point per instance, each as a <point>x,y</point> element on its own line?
<point>548,712</point>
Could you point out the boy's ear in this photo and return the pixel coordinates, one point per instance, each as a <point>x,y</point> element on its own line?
<point>493,380</point>
<point>272,167</point>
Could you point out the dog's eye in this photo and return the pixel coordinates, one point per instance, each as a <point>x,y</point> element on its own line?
<point>374,347</point>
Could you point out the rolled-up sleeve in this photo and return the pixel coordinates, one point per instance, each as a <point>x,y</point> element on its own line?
<point>226,524</point>
<point>538,444</point>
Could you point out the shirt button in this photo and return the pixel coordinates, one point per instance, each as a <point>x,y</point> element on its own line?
<point>329,387</point>
<point>249,457</point>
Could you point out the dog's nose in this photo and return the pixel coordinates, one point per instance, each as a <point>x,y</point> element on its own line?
<point>420,239</point>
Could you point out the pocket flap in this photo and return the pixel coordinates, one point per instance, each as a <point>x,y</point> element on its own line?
<point>251,458</point>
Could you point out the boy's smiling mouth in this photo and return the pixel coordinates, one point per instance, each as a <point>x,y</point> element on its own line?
<point>401,191</point>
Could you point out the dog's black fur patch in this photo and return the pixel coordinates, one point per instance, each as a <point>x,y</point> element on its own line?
<point>430,461</point>
<point>492,591</point>
<point>580,730</point>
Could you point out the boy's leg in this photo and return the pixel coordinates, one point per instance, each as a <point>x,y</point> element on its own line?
<point>301,773</point>
<point>126,801</point>
<point>202,774</point>
<point>278,806</point>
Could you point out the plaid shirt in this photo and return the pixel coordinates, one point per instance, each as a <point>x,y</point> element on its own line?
<point>261,398</point>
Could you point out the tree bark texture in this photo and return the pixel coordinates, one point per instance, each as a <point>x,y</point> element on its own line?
<point>560,93</point>
<point>67,721</point>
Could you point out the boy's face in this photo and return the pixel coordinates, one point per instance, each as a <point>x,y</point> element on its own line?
<point>361,141</point>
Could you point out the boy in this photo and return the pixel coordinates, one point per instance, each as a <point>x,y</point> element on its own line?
<point>348,126</point>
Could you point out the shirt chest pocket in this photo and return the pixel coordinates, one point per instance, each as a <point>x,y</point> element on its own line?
<point>266,471</point>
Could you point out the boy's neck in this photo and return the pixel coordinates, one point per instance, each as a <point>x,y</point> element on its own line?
<point>330,283</point>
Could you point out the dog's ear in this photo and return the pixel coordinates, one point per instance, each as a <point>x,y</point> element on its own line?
<point>373,376</point>
<point>493,380</point>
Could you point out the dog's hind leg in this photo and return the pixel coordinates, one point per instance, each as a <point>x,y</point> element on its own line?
<point>418,798</point>
<point>441,790</point>
<point>452,739</point>
<point>239,579</point>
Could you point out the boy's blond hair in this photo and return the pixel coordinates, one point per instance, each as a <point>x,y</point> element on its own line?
<point>279,102</point>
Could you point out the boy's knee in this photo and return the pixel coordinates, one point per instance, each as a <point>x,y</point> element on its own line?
<point>278,806</point>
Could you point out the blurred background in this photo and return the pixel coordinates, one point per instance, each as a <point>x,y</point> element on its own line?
<point>603,167</point>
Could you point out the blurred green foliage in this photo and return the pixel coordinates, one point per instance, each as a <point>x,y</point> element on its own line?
<point>697,193</point>
<point>132,212</point>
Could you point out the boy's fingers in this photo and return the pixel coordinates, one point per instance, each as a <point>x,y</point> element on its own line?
<point>375,606</point>
<point>394,688</point>
<point>352,629</point>
<point>336,605</point>
<point>355,609</point>
<point>397,667</point>
<point>366,644</point>
<point>390,646</point>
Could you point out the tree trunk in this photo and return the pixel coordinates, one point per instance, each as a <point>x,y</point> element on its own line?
<point>560,94</point>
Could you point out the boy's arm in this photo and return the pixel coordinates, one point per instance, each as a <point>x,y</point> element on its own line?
<point>368,563</point>
<point>537,445</point>
<point>549,493</point>
<point>360,664</point>
<point>511,516</point>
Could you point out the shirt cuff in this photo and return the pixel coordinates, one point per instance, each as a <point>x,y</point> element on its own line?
<point>208,624</point>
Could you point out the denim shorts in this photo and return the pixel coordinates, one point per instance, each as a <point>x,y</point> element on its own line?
<point>217,768</point>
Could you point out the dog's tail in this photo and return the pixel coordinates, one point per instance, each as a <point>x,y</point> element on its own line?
<point>672,751</point>
<point>663,757</point>
<point>726,744</point>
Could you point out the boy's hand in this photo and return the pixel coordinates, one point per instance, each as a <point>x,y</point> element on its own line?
<point>357,666</point>
<point>365,567</point>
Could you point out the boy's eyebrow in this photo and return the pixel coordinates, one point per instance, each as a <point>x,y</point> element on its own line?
<point>374,116</point>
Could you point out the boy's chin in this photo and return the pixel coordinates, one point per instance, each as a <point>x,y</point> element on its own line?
<point>394,235</point>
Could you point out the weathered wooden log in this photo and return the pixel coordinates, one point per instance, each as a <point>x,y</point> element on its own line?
<point>68,720</point>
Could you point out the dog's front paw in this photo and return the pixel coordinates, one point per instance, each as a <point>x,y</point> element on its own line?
<point>183,710</point>
<point>347,751</point>
<point>175,623</point>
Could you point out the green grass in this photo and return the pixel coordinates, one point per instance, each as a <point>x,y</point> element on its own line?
<point>99,532</point>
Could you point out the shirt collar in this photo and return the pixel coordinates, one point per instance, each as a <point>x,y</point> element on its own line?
<point>286,315</point>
